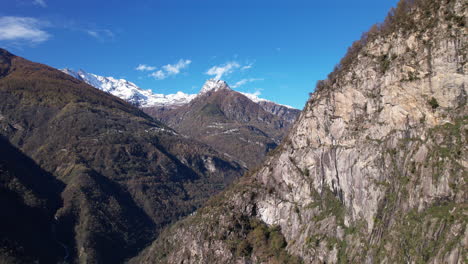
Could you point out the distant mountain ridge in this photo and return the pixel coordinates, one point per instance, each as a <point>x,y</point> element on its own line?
<point>230,122</point>
<point>135,95</point>
<point>129,91</point>
<point>239,125</point>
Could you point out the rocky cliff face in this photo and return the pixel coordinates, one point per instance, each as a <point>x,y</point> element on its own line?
<point>373,171</point>
<point>230,122</point>
<point>287,113</point>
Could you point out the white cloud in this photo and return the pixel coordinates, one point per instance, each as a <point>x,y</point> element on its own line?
<point>245,81</point>
<point>221,70</point>
<point>254,96</point>
<point>160,75</point>
<point>170,69</point>
<point>100,34</point>
<point>41,3</point>
<point>257,93</point>
<point>144,67</point>
<point>23,29</point>
<point>246,67</point>
<point>92,33</point>
<point>173,69</point>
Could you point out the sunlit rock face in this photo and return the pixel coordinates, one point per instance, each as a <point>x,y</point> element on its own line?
<point>374,169</point>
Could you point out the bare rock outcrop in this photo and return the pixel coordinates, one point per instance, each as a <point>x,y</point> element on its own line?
<point>373,171</point>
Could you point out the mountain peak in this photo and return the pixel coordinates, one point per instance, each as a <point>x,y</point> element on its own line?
<point>130,92</point>
<point>214,85</point>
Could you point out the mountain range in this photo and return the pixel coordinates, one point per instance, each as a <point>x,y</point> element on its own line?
<point>373,170</point>
<point>230,122</point>
<point>88,177</point>
<point>133,94</point>
<point>241,126</point>
<point>129,91</point>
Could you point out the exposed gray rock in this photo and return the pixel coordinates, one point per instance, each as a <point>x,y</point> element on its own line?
<point>373,171</point>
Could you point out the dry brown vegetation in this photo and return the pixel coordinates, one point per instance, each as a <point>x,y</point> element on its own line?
<point>124,175</point>
<point>400,19</point>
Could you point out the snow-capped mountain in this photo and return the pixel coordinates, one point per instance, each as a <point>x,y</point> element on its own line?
<point>285,112</point>
<point>231,122</point>
<point>129,91</point>
<point>213,85</point>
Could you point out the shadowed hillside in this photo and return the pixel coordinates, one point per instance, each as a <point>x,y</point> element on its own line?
<point>124,175</point>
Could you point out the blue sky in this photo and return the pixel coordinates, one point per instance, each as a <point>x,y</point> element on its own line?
<point>276,48</point>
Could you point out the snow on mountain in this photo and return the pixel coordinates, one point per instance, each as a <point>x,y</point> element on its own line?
<point>254,97</point>
<point>213,85</point>
<point>129,91</point>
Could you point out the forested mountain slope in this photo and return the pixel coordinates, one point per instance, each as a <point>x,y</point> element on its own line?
<point>118,175</point>
<point>230,122</point>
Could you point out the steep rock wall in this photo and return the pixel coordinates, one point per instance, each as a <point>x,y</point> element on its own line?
<point>373,171</point>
